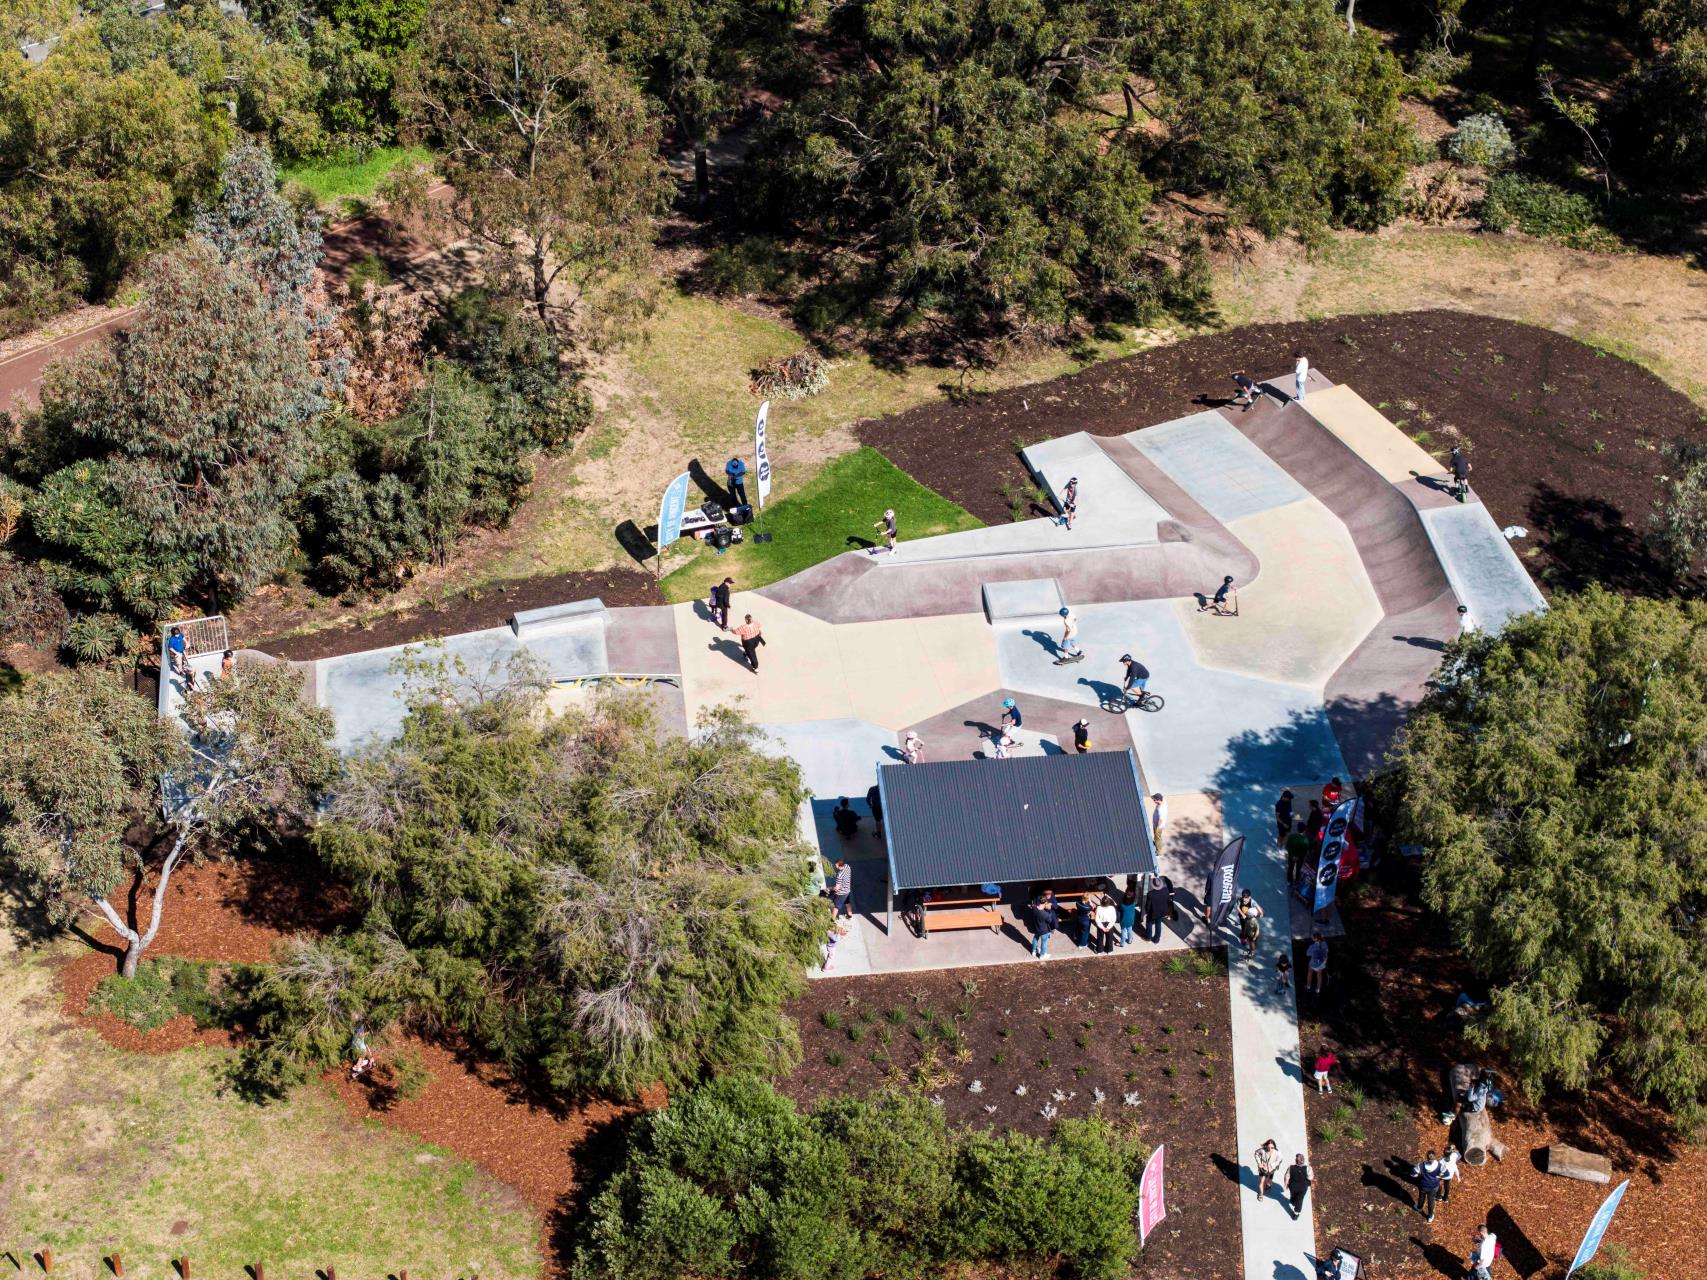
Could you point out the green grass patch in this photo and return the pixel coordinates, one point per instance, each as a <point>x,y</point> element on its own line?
<point>829,515</point>
<point>351,175</point>
<point>162,989</point>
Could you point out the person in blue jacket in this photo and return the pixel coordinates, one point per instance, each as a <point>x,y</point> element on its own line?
<point>736,472</point>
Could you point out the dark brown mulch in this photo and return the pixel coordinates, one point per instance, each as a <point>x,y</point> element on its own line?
<point>998,1019</point>
<point>1564,438</point>
<point>472,610</point>
<point>1388,1015</point>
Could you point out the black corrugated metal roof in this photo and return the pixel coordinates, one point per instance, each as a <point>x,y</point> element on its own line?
<point>1053,817</point>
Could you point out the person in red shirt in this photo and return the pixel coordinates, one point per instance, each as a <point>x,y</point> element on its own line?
<point>1325,1062</point>
<point>1331,794</point>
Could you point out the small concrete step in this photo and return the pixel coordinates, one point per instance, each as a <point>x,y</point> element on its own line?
<point>1029,598</point>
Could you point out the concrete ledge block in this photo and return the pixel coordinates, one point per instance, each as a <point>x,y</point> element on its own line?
<point>1027,598</point>
<point>553,618</point>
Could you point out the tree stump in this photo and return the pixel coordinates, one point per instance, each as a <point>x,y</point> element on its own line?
<point>1584,1166</point>
<point>1476,1137</point>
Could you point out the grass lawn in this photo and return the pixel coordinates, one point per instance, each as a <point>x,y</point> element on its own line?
<point>832,512</point>
<point>351,176</point>
<point>150,1157</point>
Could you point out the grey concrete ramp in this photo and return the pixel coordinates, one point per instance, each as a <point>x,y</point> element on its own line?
<point>1220,468</point>
<point>1025,598</point>
<point>1374,690</point>
<point>1483,569</point>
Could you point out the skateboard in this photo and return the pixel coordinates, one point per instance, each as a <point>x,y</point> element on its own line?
<point>1068,659</point>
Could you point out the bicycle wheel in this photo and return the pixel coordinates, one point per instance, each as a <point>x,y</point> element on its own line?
<point>1152,702</point>
<point>1116,705</point>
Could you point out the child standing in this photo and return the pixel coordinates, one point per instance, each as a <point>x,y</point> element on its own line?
<point>1283,973</point>
<point>1325,1062</point>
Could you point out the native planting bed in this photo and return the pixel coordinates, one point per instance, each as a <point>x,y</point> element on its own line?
<point>1140,1040</point>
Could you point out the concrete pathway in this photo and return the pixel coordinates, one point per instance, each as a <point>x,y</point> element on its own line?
<point>1268,1081</point>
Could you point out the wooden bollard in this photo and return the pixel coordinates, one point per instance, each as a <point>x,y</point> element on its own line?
<point>260,1271</point>
<point>117,1264</point>
<point>331,1272</point>
<point>46,1259</point>
<point>184,1267</point>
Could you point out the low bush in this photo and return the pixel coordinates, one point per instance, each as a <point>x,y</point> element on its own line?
<point>1483,140</point>
<point>31,611</point>
<point>733,1180</point>
<point>1613,1264</point>
<point>1541,208</point>
<point>163,989</point>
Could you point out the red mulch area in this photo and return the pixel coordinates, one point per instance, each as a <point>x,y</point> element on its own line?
<point>473,610</point>
<point>1388,1015</point>
<point>236,911</point>
<point>1564,438</point>
<point>999,1018</point>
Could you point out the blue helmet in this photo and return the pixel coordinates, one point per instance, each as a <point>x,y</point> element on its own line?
<point>1007,702</point>
<point>1065,611</point>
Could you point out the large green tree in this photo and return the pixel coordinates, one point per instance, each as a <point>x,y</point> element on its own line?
<point>203,412</point>
<point>599,904</point>
<point>552,151</point>
<point>1558,781</point>
<point>86,758</point>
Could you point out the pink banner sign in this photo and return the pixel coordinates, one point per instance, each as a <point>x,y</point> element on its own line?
<point>1152,1204</point>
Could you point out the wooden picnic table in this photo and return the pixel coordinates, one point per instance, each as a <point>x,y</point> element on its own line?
<point>972,911</point>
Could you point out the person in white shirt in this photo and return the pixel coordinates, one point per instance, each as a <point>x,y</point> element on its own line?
<point>1301,376</point>
<point>1484,1248</point>
<point>1448,1172</point>
<point>1070,634</point>
<point>1158,820</point>
<point>1103,924</point>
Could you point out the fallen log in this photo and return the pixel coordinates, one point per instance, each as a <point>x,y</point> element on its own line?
<point>1584,1166</point>
<point>1476,1137</point>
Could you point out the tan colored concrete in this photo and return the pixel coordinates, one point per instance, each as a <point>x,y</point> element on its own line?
<point>1382,445</point>
<point>1310,606</point>
<point>892,674</point>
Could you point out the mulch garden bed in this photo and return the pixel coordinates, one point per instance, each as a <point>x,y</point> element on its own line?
<point>1565,439</point>
<point>1387,1013</point>
<point>471,610</point>
<point>1150,1035</point>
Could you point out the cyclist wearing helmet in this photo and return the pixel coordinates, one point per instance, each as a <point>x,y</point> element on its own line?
<point>1137,676</point>
<point>1069,646</point>
<point>1010,714</point>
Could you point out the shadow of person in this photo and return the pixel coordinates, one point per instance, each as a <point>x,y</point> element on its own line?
<point>1423,642</point>
<point>1396,1181</point>
<point>730,650</point>
<point>1104,691</point>
<point>1437,483</point>
<point>635,540</point>
<point>894,753</point>
<point>1442,1259</point>
<point>713,489</point>
<point>1233,1171</point>
<point>1515,1247</point>
<point>860,544</point>
<point>1286,1271</point>
<point>1292,1070</point>
<point>1046,641</point>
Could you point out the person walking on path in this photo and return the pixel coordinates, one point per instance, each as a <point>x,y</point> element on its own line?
<point>1158,820</point>
<point>843,892</point>
<point>1246,387</point>
<point>1298,1180</point>
<point>1460,473</point>
<point>887,524</point>
<point>1250,914</point>
<point>1324,1065</point>
<point>1448,1172</point>
<point>1081,736</point>
<point>751,637</point>
<point>874,802</point>
<point>1283,818</point>
<point>720,603</point>
<point>1297,849</point>
<point>1155,909</point>
<point>1317,956</point>
<point>1070,635</point>
<point>1128,910</point>
<point>1268,1164</point>
<point>1427,1175</point>
<point>1044,915</point>
<point>1484,1250</point>
<point>1301,375</point>
<point>735,471</point>
<point>913,748</point>
<point>1069,503</point>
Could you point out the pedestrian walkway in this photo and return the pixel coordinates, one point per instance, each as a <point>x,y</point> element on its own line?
<point>1268,1078</point>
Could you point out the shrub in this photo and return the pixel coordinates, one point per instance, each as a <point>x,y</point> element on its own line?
<point>1536,207</point>
<point>409,1074</point>
<point>99,637</point>
<point>162,989</point>
<point>751,265</point>
<point>1438,66</point>
<point>1613,1264</point>
<point>805,373</point>
<point>31,611</point>
<point>363,533</point>
<point>1482,140</point>
<point>1437,198</point>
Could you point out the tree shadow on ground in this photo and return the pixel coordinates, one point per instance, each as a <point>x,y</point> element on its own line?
<point>1587,540</point>
<point>635,541</point>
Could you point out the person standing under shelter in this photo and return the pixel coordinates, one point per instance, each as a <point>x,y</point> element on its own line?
<point>1155,909</point>
<point>842,894</point>
<point>735,471</point>
<point>1128,910</point>
<point>1301,375</point>
<point>874,802</point>
<point>1044,915</point>
<point>751,637</point>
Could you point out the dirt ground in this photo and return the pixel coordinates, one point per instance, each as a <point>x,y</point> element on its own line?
<point>1388,1015</point>
<point>1565,439</point>
<point>1065,1032</point>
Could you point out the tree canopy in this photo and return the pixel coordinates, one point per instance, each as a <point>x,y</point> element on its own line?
<point>600,905</point>
<point>1558,780</point>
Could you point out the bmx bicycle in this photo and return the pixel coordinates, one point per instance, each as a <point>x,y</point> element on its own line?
<point>1120,702</point>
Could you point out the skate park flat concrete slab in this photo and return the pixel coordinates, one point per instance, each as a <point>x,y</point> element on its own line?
<point>1227,474</point>
<point>885,673</point>
<point>1484,571</point>
<point>1392,453</point>
<point>1215,724</point>
<point>365,696</point>
<point>1311,582</point>
<point>836,757</point>
<point>1035,598</point>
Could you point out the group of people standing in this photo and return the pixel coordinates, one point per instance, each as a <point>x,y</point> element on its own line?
<point>1102,922</point>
